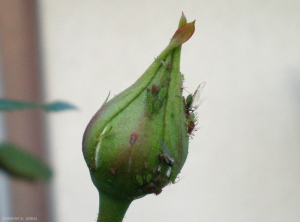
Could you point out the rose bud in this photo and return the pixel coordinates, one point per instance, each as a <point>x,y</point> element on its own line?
<point>137,142</point>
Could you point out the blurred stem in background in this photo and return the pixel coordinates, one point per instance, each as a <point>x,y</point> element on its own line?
<point>21,79</point>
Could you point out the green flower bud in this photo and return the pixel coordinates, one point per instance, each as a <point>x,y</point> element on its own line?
<point>137,142</point>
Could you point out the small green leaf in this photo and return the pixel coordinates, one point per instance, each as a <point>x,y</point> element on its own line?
<point>18,163</point>
<point>10,105</point>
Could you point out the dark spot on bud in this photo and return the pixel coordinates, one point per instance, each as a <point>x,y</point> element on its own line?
<point>146,165</point>
<point>133,138</point>
<point>112,170</point>
<point>169,67</point>
<point>149,187</point>
<point>157,179</point>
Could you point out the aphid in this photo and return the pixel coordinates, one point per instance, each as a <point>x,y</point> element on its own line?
<point>149,96</point>
<point>166,159</point>
<point>156,105</point>
<point>157,179</point>
<point>154,88</point>
<point>139,179</point>
<point>149,187</point>
<point>190,126</point>
<point>149,178</point>
<point>162,93</point>
<point>192,102</point>
<point>150,108</point>
<point>133,138</point>
<point>165,155</point>
<point>157,191</point>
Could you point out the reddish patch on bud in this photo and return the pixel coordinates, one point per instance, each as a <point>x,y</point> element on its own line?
<point>133,138</point>
<point>183,34</point>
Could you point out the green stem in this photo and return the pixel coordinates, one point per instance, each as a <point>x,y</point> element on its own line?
<point>111,209</point>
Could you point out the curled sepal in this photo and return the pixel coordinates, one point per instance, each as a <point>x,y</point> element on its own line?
<point>183,34</point>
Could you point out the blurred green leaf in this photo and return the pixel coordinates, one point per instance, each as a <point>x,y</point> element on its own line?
<point>18,163</point>
<point>9,105</point>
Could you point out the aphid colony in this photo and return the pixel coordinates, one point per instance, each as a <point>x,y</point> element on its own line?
<point>191,103</point>
<point>152,183</point>
<point>155,97</point>
<point>157,93</point>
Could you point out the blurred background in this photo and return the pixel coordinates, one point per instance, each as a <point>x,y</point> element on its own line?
<point>244,160</point>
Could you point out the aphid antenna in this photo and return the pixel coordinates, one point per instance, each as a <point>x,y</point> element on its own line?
<point>178,179</point>
<point>185,89</point>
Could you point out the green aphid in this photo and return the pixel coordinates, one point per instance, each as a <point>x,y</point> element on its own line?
<point>189,102</point>
<point>150,108</point>
<point>182,77</point>
<point>149,97</point>
<point>149,178</point>
<point>162,93</point>
<point>156,106</point>
<point>139,179</point>
<point>191,117</point>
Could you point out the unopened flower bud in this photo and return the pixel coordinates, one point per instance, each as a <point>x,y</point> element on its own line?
<point>137,142</point>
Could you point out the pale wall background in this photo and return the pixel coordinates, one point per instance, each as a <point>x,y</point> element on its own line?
<point>244,162</point>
